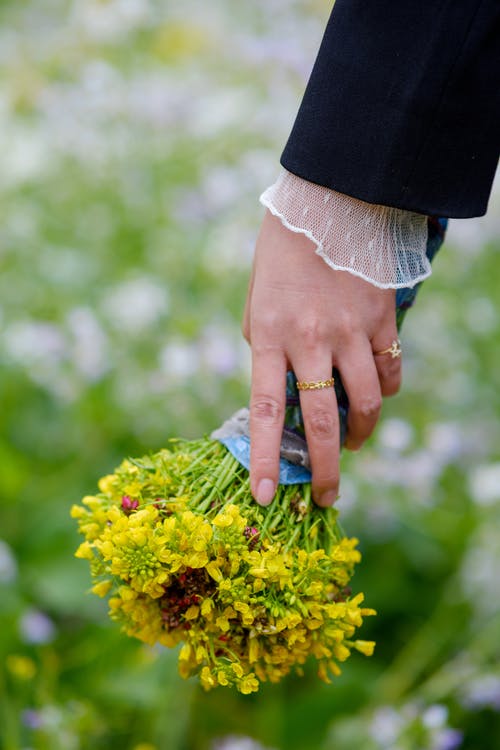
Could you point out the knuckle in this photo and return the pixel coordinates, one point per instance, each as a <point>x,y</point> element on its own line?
<point>390,379</point>
<point>266,322</point>
<point>261,347</point>
<point>327,481</point>
<point>391,367</point>
<point>263,464</point>
<point>267,410</point>
<point>320,424</point>
<point>369,408</point>
<point>346,327</point>
<point>312,333</point>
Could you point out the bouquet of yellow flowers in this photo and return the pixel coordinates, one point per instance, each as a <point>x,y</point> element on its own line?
<point>187,556</point>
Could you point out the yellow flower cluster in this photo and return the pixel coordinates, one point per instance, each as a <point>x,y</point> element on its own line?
<point>186,556</point>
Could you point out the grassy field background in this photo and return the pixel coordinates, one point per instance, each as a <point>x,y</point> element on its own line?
<point>135,139</point>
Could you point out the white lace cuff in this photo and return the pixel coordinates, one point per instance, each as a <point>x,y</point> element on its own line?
<point>384,246</point>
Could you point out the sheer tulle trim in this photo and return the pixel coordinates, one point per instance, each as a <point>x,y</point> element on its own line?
<point>382,245</point>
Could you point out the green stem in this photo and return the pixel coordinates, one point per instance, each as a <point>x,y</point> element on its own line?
<point>224,476</point>
<point>292,539</point>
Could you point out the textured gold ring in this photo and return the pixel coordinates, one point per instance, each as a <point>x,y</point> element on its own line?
<point>394,350</point>
<point>314,385</point>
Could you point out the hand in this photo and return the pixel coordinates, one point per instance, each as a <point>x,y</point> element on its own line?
<point>303,316</point>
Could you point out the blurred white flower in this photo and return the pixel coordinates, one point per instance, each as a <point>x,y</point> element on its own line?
<point>221,109</point>
<point>417,471</point>
<point>228,246</point>
<point>235,742</point>
<point>395,435</point>
<point>219,350</point>
<point>36,627</point>
<point>158,99</point>
<point>8,564</point>
<point>67,266</point>
<point>435,716</point>
<point>99,78</point>
<point>33,342</point>
<point>89,346</point>
<point>133,305</point>
<point>484,484</point>
<point>386,726</point>
<point>31,718</point>
<point>179,359</point>
<point>397,729</point>
<point>107,21</point>
<point>23,153</point>
<point>446,739</point>
<point>482,692</point>
<point>222,187</point>
<point>349,494</point>
<point>445,440</point>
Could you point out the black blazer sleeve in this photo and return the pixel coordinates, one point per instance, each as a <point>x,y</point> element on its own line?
<point>403,105</point>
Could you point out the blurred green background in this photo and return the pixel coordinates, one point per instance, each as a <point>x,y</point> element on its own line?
<point>135,138</point>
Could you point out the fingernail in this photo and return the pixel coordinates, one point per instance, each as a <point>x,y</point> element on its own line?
<point>265,491</point>
<point>327,498</point>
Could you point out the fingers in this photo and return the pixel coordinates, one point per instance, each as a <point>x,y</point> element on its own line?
<point>321,422</point>
<point>267,412</point>
<point>361,381</point>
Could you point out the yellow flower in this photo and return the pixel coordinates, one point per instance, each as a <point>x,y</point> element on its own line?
<point>248,684</point>
<point>21,666</point>
<point>247,616</point>
<point>207,608</point>
<point>253,650</point>
<point>365,647</point>
<point>223,621</point>
<point>102,588</point>
<point>206,678</point>
<point>222,677</point>
<point>237,669</point>
<point>85,551</point>
<point>214,571</point>
<point>186,652</point>
<point>107,484</point>
<point>341,652</point>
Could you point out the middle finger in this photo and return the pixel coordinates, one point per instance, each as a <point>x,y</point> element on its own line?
<point>321,423</point>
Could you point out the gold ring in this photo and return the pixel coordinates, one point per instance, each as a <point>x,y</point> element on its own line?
<point>314,385</point>
<point>394,350</point>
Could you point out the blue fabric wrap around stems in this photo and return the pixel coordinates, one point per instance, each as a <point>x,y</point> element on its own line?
<point>291,473</point>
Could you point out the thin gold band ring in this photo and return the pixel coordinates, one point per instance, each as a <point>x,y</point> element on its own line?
<point>314,385</point>
<point>394,350</point>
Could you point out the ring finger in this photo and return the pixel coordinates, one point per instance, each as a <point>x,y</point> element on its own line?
<point>388,363</point>
<point>361,381</point>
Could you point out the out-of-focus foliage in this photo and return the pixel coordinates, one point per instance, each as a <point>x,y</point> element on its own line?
<point>135,137</point>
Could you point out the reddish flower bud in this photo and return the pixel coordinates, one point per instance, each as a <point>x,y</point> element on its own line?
<point>128,504</point>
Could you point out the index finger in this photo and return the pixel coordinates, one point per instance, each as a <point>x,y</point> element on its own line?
<point>267,414</point>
